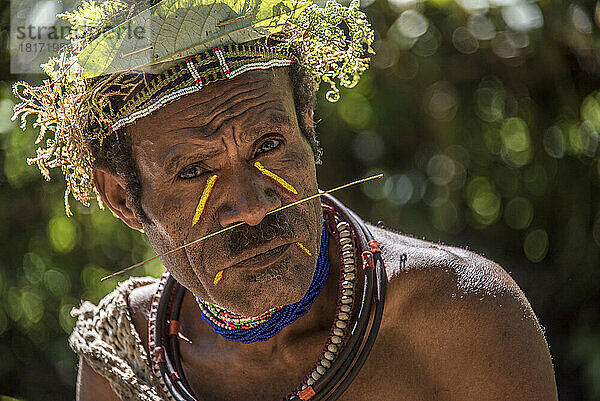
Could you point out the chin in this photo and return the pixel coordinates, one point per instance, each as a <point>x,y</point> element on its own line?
<point>277,285</point>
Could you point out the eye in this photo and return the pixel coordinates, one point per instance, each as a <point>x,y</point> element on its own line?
<point>190,172</point>
<point>268,145</point>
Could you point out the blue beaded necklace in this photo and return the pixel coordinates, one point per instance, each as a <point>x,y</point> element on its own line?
<point>278,318</point>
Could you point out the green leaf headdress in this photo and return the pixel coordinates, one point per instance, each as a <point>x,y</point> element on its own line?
<point>124,62</point>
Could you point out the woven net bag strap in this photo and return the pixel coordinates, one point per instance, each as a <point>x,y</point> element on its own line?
<point>106,338</point>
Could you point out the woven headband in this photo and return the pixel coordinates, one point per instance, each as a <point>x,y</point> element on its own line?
<point>221,63</point>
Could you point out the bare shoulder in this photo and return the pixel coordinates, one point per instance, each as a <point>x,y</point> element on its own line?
<point>448,274</point>
<point>405,255</point>
<point>466,318</point>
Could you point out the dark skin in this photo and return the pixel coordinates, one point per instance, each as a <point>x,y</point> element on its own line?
<point>455,325</point>
<point>225,134</point>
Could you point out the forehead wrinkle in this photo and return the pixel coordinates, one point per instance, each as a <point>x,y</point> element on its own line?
<point>230,110</point>
<point>237,96</point>
<point>190,111</point>
<point>198,101</point>
<point>234,93</point>
<point>193,116</point>
<point>248,135</point>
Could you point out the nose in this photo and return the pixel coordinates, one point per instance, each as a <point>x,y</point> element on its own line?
<point>250,197</point>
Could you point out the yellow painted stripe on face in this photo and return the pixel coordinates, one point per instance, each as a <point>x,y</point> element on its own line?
<point>303,248</point>
<point>218,277</point>
<point>210,183</point>
<point>275,177</point>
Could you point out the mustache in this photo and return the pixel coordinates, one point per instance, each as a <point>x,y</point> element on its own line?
<point>277,225</point>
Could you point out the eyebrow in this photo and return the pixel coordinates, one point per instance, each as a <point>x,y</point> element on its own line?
<point>278,119</point>
<point>173,162</point>
<point>173,158</point>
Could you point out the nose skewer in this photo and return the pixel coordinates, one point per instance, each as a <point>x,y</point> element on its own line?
<point>360,181</point>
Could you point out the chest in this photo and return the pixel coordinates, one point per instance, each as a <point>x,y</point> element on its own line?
<point>218,375</point>
<point>217,371</point>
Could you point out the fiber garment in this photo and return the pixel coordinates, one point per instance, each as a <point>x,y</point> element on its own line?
<point>106,338</point>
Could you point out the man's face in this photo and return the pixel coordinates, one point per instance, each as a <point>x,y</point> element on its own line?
<point>222,131</point>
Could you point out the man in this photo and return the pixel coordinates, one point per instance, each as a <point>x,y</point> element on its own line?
<point>224,322</point>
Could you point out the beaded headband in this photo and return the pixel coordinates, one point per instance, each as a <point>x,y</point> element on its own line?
<point>186,78</point>
<point>102,81</point>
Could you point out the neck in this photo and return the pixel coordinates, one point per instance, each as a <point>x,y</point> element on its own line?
<point>321,314</point>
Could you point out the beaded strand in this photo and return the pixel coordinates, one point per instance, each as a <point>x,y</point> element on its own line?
<point>197,71</point>
<point>229,321</point>
<point>338,332</point>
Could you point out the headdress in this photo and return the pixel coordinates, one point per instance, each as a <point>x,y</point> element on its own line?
<point>125,61</point>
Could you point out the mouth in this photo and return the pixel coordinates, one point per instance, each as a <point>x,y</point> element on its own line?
<point>262,259</point>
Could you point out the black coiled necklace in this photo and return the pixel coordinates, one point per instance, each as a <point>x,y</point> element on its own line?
<point>350,340</point>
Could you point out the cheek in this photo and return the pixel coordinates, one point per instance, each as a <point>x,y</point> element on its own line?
<point>306,173</point>
<point>165,236</point>
<point>171,228</point>
<point>305,160</point>
<point>166,231</point>
<point>297,165</point>
<point>165,211</point>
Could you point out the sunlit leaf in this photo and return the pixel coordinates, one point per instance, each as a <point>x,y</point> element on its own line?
<point>173,29</point>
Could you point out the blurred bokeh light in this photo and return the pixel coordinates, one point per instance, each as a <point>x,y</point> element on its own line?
<point>484,116</point>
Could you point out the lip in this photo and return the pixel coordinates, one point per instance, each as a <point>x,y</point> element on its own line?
<point>262,259</point>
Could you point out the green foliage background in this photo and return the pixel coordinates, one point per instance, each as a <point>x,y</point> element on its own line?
<point>485,117</point>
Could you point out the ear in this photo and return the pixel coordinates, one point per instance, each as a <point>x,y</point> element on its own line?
<point>309,118</point>
<point>112,190</point>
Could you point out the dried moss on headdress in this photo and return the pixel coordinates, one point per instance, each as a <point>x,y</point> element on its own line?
<point>331,41</point>
<point>66,105</point>
<point>58,110</point>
